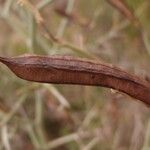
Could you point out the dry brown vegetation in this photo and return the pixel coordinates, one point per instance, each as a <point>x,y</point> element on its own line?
<point>44,116</point>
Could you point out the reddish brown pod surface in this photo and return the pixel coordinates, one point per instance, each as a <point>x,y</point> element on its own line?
<point>70,70</point>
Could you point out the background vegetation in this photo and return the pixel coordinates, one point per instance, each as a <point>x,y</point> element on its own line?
<point>72,117</point>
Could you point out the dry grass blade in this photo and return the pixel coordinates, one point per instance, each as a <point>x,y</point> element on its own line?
<point>5,138</point>
<point>62,140</point>
<point>33,9</point>
<point>9,116</point>
<point>123,8</point>
<point>63,101</point>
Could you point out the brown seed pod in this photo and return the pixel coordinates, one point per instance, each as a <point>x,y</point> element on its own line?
<point>69,70</point>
